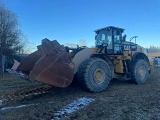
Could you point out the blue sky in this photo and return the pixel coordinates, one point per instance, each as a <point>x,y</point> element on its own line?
<point>68,21</point>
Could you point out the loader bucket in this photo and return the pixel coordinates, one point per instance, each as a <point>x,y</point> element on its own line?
<point>50,64</point>
<point>28,63</point>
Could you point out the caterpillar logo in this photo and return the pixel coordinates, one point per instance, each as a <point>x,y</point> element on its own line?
<point>127,47</point>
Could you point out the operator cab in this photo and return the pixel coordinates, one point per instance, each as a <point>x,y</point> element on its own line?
<point>110,38</point>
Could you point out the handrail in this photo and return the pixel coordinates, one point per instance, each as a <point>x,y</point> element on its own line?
<point>133,38</point>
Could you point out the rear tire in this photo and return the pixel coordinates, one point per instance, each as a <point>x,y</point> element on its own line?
<point>94,74</point>
<point>140,71</point>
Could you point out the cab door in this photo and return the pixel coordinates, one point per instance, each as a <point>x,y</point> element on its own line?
<point>117,41</point>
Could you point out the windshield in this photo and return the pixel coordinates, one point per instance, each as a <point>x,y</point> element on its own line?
<point>103,37</point>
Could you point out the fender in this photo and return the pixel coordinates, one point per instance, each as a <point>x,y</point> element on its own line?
<point>139,55</point>
<point>81,56</point>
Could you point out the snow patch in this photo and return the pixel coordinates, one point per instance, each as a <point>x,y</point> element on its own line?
<point>1,102</point>
<point>72,107</point>
<point>18,74</point>
<point>15,107</point>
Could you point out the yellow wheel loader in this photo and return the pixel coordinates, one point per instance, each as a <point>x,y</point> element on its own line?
<point>112,57</point>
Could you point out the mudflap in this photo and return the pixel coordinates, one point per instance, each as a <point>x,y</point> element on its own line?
<point>50,65</point>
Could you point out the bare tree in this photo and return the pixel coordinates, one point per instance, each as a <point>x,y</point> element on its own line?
<point>154,47</point>
<point>82,42</point>
<point>71,45</point>
<point>11,41</point>
<point>10,35</point>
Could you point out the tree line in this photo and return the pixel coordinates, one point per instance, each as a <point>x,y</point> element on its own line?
<point>11,37</point>
<point>154,47</point>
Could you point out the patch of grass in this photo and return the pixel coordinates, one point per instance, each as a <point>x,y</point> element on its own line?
<point>11,83</point>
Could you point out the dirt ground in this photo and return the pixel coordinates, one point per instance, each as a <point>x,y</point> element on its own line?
<point>122,100</point>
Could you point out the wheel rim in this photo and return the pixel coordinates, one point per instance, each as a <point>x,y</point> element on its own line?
<point>99,75</point>
<point>142,71</point>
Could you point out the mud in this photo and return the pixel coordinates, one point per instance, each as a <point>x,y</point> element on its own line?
<point>122,100</point>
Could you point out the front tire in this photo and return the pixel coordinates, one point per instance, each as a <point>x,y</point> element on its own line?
<point>140,71</point>
<point>94,74</point>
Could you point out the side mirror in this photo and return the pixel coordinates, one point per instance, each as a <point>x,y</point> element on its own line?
<point>133,47</point>
<point>124,37</point>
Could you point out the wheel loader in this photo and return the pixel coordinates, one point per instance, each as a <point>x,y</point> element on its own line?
<point>94,68</point>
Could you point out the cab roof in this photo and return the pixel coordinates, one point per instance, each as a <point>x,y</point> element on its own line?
<point>109,27</point>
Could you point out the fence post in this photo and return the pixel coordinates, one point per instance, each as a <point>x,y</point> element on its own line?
<point>2,64</point>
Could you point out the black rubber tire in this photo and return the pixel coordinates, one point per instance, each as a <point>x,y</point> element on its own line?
<point>94,74</point>
<point>140,71</point>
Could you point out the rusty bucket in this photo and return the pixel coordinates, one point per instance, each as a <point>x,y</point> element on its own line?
<point>50,64</point>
